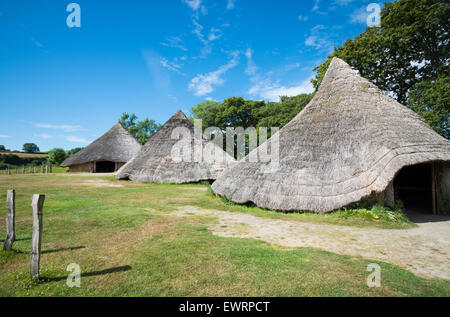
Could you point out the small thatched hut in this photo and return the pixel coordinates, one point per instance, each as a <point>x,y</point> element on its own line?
<point>350,143</point>
<point>156,163</point>
<point>106,154</point>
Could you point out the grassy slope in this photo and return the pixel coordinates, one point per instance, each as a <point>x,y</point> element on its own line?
<point>22,154</point>
<point>127,243</point>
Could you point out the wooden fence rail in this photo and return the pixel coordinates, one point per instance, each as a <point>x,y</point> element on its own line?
<point>41,169</point>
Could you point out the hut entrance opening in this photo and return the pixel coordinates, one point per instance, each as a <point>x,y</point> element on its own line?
<point>105,167</point>
<point>413,186</point>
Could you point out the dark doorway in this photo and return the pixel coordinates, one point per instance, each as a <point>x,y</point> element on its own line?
<point>413,186</point>
<point>105,167</point>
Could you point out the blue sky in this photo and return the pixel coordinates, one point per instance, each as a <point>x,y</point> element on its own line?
<point>64,87</point>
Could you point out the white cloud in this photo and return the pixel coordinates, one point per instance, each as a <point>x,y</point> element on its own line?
<point>272,91</point>
<point>4,136</point>
<point>230,4</point>
<point>193,4</point>
<point>63,127</point>
<point>302,18</point>
<point>175,42</point>
<point>75,139</point>
<point>204,84</point>
<point>359,16</point>
<point>43,136</point>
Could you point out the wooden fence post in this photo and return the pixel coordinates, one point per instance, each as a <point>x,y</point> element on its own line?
<point>34,169</point>
<point>42,169</point>
<point>37,203</point>
<point>9,171</point>
<point>23,169</point>
<point>46,169</point>
<point>10,219</point>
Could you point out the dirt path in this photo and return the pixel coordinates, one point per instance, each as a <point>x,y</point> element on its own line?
<point>424,251</point>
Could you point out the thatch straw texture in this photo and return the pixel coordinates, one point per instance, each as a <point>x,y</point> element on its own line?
<point>116,145</point>
<point>156,164</point>
<point>347,143</point>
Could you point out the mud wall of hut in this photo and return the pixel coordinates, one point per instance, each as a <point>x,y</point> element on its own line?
<point>86,167</point>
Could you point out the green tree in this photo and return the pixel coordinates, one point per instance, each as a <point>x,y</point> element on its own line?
<point>2,148</point>
<point>56,156</point>
<point>431,99</point>
<point>278,114</point>
<point>30,148</point>
<point>206,111</point>
<point>141,130</point>
<point>73,151</point>
<point>410,47</point>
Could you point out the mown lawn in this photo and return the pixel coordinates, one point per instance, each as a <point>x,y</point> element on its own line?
<point>128,244</point>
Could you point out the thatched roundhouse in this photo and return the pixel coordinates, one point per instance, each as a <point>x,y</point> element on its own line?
<point>156,163</point>
<point>350,143</point>
<point>106,154</point>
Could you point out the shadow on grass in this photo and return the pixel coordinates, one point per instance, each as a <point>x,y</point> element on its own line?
<point>63,249</point>
<point>94,273</point>
<point>50,251</point>
<point>21,239</point>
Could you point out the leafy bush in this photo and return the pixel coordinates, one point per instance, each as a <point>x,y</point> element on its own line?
<point>377,212</point>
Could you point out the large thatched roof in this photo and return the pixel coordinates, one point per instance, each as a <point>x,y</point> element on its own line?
<point>347,143</point>
<point>116,145</point>
<point>155,162</point>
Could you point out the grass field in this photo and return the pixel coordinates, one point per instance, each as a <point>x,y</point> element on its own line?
<point>127,243</point>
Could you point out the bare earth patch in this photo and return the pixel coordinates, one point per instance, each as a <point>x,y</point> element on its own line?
<point>425,250</point>
<point>99,183</point>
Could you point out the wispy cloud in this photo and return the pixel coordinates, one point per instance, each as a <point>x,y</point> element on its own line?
<point>231,4</point>
<point>303,18</point>
<point>316,8</point>
<point>62,127</point>
<point>204,84</point>
<point>292,66</point>
<point>251,68</point>
<point>359,16</point>
<point>37,43</point>
<point>174,42</point>
<point>171,65</point>
<point>193,4</point>
<point>319,39</point>
<point>214,34</point>
<point>159,73</point>
<point>4,136</point>
<point>43,136</point>
<point>273,91</point>
<point>316,5</point>
<point>75,139</point>
<point>264,87</point>
<point>342,2</point>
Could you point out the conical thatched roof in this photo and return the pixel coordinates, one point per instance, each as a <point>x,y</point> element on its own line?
<point>116,145</point>
<point>347,143</point>
<point>155,162</point>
